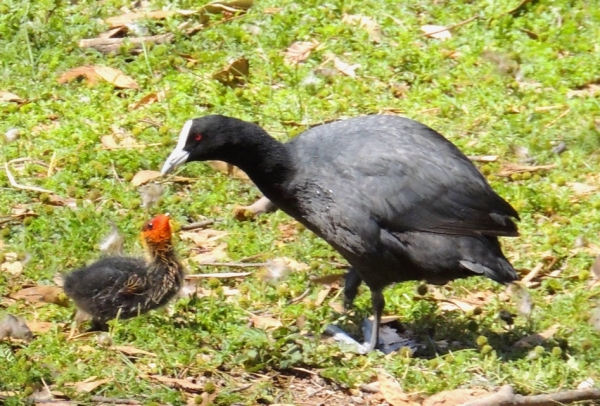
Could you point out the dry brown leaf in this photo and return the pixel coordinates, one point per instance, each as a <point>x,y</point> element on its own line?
<point>41,327</point>
<point>116,77</point>
<point>436,31</point>
<point>232,6</point>
<point>108,141</point>
<point>322,295</point>
<point>455,397</point>
<point>215,254</point>
<point>590,90</point>
<point>148,99</point>
<point>86,71</point>
<point>112,33</point>
<point>392,391</point>
<point>537,338</point>
<point>144,176</point>
<point>367,23</point>
<point>329,279</point>
<point>14,268</point>
<point>9,97</point>
<point>299,51</point>
<point>206,237</point>
<point>182,384</point>
<point>582,189</point>
<point>264,322</point>
<point>509,168</point>
<point>234,74</point>
<point>128,350</point>
<point>88,385</point>
<point>93,73</point>
<point>345,68</point>
<point>42,294</point>
<point>128,18</point>
<point>229,169</point>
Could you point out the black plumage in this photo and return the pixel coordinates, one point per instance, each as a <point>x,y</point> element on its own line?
<point>126,287</point>
<point>393,196</point>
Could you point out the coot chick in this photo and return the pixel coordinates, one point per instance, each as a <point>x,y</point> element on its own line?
<point>396,199</point>
<point>126,286</point>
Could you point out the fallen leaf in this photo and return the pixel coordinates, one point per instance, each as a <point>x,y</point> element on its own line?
<point>509,168</point>
<point>264,322</point>
<point>299,51</point>
<point>234,74</point>
<point>41,327</point>
<point>144,101</point>
<point>94,73</point>
<point>108,141</point>
<point>582,189</point>
<point>112,33</point>
<point>229,169</point>
<point>219,7</point>
<point>203,237</point>
<point>88,385</point>
<point>392,391</point>
<point>183,384</point>
<point>367,23</point>
<point>213,255</point>
<point>42,294</point>
<point>14,268</point>
<point>589,90</point>
<point>9,97</point>
<point>14,327</point>
<point>128,350</point>
<point>144,176</point>
<point>436,31</point>
<point>86,71</point>
<point>322,295</point>
<point>455,397</point>
<point>128,18</point>
<point>345,68</point>
<point>328,279</point>
<point>116,77</point>
<point>537,338</point>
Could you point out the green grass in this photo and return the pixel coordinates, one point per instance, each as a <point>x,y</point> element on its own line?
<point>450,86</point>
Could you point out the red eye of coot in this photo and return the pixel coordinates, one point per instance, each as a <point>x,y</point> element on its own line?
<point>198,137</point>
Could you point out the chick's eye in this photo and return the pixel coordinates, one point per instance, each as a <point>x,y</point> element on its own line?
<point>198,137</point>
<point>150,226</point>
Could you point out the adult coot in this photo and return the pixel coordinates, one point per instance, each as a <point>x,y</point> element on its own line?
<point>125,286</point>
<point>391,195</point>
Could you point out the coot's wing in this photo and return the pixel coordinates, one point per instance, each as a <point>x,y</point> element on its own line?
<point>405,174</point>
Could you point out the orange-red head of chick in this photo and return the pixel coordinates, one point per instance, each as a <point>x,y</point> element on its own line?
<point>157,230</point>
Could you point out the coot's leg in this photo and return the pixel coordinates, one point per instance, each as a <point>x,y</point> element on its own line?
<point>351,284</point>
<point>378,303</point>
<point>98,325</point>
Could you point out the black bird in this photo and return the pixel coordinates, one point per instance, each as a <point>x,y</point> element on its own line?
<point>395,198</point>
<point>126,286</point>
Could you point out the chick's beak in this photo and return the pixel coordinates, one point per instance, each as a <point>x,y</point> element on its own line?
<point>177,157</point>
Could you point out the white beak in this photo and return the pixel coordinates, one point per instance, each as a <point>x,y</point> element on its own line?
<point>177,157</point>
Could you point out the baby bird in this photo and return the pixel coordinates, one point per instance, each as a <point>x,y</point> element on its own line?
<point>126,287</point>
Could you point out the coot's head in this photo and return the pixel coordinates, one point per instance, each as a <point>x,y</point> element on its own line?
<point>158,230</point>
<point>200,139</point>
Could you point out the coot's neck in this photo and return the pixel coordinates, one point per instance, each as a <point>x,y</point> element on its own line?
<point>264,159</point>
<point>163,256</point>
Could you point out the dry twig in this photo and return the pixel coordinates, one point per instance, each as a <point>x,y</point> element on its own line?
<point>198,224</point>
<point>14,183</point>
<point>468,20</point>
